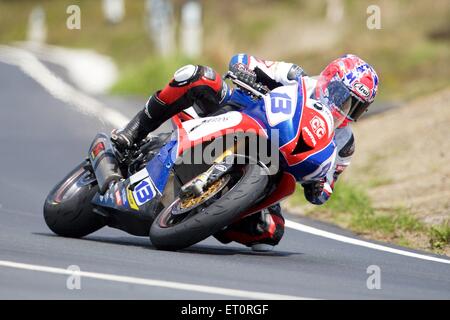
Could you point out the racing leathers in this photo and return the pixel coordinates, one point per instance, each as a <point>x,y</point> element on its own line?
<point>203,88</point>
<point>276,73</point>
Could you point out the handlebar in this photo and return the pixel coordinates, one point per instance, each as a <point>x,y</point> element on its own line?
<point>257,89</point>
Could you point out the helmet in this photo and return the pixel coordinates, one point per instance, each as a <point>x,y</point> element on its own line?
<point>348,86</point>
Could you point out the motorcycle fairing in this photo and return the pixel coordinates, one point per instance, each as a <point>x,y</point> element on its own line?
<point>312,153</point>
<point>115,197</point>
<point>306,133</point>
<point>197,131</point>
<point>285,109</point>
<point>159,167</point>
<point>140,189</point>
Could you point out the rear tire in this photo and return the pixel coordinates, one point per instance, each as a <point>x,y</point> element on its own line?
<point>219,214</point>
<point>68,208</point>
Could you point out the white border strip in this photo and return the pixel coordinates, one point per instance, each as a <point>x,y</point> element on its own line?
<point>154,283</point>
<point>357,242</point>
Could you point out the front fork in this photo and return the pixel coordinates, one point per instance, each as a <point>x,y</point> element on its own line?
<point>198,185</point>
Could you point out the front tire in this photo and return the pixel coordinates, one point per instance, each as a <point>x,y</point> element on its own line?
<point>212,217</point>
<point>68,208</point>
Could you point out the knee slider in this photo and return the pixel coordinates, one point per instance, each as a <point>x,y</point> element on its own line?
<point>186,74</point>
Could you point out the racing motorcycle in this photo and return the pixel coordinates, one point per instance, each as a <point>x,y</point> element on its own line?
<point>163,189</point>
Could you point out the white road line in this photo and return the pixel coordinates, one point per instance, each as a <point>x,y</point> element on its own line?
<point>92,72</point>
<point>59,89</point>
<point>357,242</point>
<point>155,283</point>
<point>88,105</point>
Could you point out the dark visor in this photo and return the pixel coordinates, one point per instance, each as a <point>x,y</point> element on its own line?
<point>358,107</point>
<point>338,94</point>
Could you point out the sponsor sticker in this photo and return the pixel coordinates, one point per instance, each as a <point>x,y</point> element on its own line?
<point>118,198</point>
<point>123,194</point>
<point>362,89</point>
<point>131,201</point>
<point>318,126</point>
<point>312,141</point>
<point>97,149</point>
<point>221,167</point>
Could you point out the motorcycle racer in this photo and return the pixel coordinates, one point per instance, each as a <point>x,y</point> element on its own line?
<point>347,86</point>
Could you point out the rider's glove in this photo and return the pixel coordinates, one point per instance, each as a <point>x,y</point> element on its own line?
<point>243,73</point>
<point>121,140</point>
<point>313,191</point>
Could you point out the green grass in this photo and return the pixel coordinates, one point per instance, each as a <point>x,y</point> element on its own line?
<point>349,198</point>
<point>391,223</point>
<point>410,63</point>
<point>350,207</point>
<point>440,236</point>
<point>148,77</point>
<point>352,200</point>
<point>378,181</point>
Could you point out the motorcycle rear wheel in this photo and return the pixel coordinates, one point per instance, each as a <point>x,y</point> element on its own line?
<point>68,208</point>
<point>209,217</point>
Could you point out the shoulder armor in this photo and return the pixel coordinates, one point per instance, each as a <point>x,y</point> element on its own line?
<point>294,72</point>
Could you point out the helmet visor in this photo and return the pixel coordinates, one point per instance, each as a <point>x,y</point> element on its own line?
<point>358,107</point>
<point>338,97</point>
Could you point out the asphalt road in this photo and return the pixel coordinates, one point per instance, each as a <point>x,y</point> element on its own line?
<point>42,138</point>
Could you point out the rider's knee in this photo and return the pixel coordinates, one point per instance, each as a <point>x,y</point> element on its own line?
<point>264,227</point>
<point>195,84</point>
<point>186,75</point>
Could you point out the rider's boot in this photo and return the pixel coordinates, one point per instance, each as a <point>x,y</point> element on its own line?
<point>190,84</point>
<point>141,125</point>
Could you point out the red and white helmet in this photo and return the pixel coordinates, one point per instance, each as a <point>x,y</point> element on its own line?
<point>348,85</point>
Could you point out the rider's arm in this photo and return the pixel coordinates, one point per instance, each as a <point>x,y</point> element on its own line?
<point>319,192</point>
<point>270,73</point>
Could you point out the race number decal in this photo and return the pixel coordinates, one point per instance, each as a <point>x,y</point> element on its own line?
<point>144,192</point>
<point>281,103</point>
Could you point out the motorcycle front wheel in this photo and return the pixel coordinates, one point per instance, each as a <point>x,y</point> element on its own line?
<point>188,221</point>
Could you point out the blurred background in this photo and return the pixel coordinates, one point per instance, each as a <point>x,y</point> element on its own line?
<point>410,48</point>
<point>398,187</point>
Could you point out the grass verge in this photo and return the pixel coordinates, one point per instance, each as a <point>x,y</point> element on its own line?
<point>350,207</point>
<point>152,75</point>
<point>406,58</point>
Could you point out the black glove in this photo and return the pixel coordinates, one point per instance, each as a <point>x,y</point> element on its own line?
<point>313,190</point>
<point>121,140</point>
<point>244,73</point>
